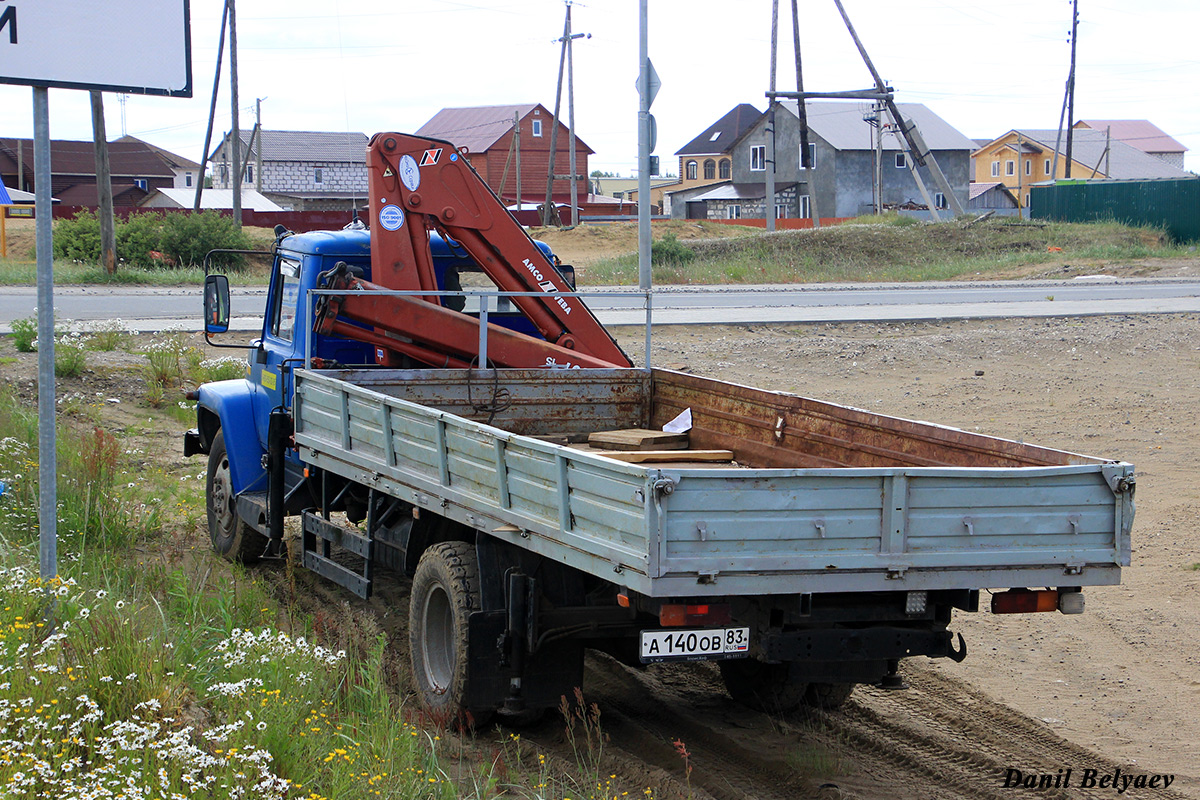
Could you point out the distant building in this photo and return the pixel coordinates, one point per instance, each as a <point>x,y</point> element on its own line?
<point>136,169</point>
<point>842,142</point>
<point>209,198</point>
<point>1024,157</point>
<point>487,133</point>
<point>1142,134</point>
<point>300,170</point>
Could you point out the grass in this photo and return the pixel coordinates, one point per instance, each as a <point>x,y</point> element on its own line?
<point>889,249</point>
<point>146,669</point>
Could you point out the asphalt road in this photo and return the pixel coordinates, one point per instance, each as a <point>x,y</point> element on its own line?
<point>156,308</point>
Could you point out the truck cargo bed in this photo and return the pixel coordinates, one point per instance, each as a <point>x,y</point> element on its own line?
<point>819,498</point>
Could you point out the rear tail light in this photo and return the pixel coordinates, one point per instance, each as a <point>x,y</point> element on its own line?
<point>1024,601</point>
<point>675,615</point>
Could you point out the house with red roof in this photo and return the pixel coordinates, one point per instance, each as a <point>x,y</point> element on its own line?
<point>487,135</point>
<point>1141,134</point>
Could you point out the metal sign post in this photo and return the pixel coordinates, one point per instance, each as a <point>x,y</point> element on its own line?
<point>47,456</point>
<point>67,44</point>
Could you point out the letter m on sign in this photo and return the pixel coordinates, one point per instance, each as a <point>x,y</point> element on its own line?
<point>8,19</point>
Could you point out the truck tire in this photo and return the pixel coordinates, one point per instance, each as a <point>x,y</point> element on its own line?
<point>445,591</point>
<point>762,686</point>
<point>828,696</point>
<point>231,537</point>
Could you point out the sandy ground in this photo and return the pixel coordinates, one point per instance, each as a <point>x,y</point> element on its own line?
<point>1124,678</point>
<point>1118,687</point>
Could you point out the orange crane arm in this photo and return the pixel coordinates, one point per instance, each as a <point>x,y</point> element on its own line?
<point>418,185</point>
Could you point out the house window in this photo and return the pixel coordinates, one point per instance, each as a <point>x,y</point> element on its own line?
<point>537,127</point>
<point>224,173</point>
<point>1027,199</point>
<point>187,179</point>
<point>758,158</point>
<point>724,169</point>
<point>142,184</point>
<point>812,156</point>
<point>691,170</point>
<point>1029,166</point>
<point>1010,167</point>
<point>995,169</point>
<point>901,162</point>
<point>317,175</point>
<point>939,200</point>
<point>781,212</point>
<point>733,212</point>
<point>1046,167</point>
<point>710,169</point>
<point>805,207</point>
<point>249,173</point>
<point>715,136</point>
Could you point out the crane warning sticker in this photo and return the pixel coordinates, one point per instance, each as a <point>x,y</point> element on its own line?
<point>431,157</point>
<point>391,218</point>
<point>410,173</point>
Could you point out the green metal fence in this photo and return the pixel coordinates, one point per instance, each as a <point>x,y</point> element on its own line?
<point>1173,204</point>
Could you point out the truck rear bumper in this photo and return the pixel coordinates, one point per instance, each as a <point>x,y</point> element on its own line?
<point>848,645</point>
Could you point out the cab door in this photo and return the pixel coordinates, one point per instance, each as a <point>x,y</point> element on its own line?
<point>272,360</point>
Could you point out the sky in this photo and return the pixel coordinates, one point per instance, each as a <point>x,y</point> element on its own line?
<point>380,65</point>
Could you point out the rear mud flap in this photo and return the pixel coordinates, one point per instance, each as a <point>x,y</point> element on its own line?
<point>551,673</point>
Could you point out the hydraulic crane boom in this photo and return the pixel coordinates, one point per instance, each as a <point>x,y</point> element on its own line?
<point>418,185</point>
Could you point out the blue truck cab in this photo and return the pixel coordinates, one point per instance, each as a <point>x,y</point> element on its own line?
<point>236,415</point>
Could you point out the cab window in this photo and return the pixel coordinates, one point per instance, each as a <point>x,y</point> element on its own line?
<point>287,290</point>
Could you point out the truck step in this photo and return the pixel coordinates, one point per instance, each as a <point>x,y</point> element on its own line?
<point>320,538</point>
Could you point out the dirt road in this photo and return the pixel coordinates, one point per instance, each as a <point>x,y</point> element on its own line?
<point>1115,688</point>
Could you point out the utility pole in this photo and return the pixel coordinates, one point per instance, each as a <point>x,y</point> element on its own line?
<point>212,108</point>
<point>1071,83</point>
<point>802,113</point>
<point>878,158</point>
<point>571,119</point>
<point>646,91</point>
<point>517,146</point>
<point>769,200</point>
<point>108,235</point>
<point>258,144</point>
<point>548,214</point>
<point>235,138</point>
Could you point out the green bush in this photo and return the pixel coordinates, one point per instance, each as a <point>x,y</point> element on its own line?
<point>153,240</point>
<point>24,333</point>
<point>187,238</point>
<point>78,238</point>
<point>669,250</point>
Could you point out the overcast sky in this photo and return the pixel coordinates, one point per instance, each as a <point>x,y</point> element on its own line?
<point>371,65</point>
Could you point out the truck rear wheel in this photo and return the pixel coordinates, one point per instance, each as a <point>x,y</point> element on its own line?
<point>828,695</point>
<point>445,591</point>
<point>762,686</point>
<point>231,537</point>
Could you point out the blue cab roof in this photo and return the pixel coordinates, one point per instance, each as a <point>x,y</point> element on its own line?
<point>358,243</point>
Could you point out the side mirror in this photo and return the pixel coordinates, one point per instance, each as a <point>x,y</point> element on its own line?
<point>216,304</point>
<point>568,273</point>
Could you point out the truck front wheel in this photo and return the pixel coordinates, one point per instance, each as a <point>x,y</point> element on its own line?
<point>445,591</point>
<point>762,686</point>
<point>231,537</point>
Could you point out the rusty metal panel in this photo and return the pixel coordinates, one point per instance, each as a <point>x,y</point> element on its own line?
<point>777,429</point>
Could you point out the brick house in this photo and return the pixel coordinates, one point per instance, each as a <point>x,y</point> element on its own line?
<point>300,170</point>
<point>136,169</point>
<point>487,134</point>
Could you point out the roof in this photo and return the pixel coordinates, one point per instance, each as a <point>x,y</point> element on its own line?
<point>977,189</point>
<point>842,126</point>
<point>721,135</point>
<point>328,146</point>
<point>210,198</point>
<point>1140,133</point>
<point>131,159</point>
<point>478,128</point>
<point>1124,161</point>
<point>172,160</point>
<point>740,191</point>
<point>85,194</point>
<point>5,200</point>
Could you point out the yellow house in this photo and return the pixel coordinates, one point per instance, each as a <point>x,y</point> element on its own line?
<point>1023,157</point>
<point>1020,158</point>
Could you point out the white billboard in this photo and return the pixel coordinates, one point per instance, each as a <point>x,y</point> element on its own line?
<point>127,46</point>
